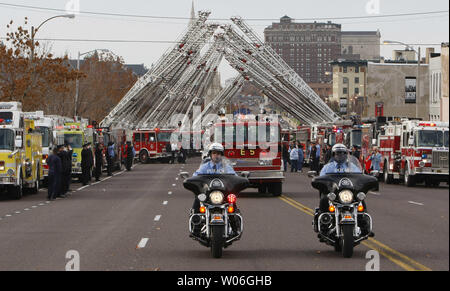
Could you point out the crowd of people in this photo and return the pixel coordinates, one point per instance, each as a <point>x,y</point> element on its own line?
<point>295,155</point>
<point>92,163</point>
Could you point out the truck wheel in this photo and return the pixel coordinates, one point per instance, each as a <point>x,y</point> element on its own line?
<point>386,177</point>
<point>409,179</point>
<point>35,189</point>
<point>143,157</point>
<point>17,191</point>
<point>276,189</point>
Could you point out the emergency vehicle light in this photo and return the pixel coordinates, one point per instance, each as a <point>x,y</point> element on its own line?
<point>427,124</point>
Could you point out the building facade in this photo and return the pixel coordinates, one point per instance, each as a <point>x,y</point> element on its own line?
<point>392,90</point>
<point>444,83</point>
<point>435,81</point>
<point>308,48</point>
<point>361,45</point>
<point>349,86</point>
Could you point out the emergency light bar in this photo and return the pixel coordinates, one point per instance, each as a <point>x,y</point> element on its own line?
<point>427,124</point>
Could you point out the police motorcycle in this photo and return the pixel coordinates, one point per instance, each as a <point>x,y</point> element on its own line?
<point>218,222</point>
<point>346,223</point>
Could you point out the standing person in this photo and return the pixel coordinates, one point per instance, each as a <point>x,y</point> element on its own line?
<point>69,176</point>
<point>169,152</point>
<point>130,152</point>
<point>328,154</point>
<point>183,155</point>
<point>317,158</point>
<point>174,150</point>
<point>54,174</point>
<point>301,157</point>
<point>62,154</point>
<point>312,155</point>
<point>98,161</point>
<point>91,161</point>
<point>110,154</point>
<point>286,157</point>
<point>294,158</point>
<point>85,165</point>
<point>376,159</point>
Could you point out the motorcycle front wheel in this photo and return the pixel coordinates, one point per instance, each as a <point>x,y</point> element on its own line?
<point>217,240</point>
<point>347,241</point>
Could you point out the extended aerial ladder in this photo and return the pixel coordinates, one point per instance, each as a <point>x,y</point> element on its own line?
<point>181,77</point>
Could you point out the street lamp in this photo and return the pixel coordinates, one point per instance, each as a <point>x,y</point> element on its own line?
<point>34,31</point>
<point>78,81</point>
<point>418,70</point>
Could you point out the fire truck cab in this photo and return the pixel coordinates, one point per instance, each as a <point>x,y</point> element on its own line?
<point>249,151</point>
<point>416,151</point>
<point>20,151</point>
<point>150,144</point>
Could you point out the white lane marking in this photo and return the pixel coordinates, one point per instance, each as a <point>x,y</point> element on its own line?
<point>48,202</point>
<point>17,212</point>
<point>174,185</point>
<point>170,193</point>
<point>8,215</point>
<point>27,209</point>
<point>142,243</point>
<point>176,178</point>
<point>42,204</point>
<point>34,206</point>
<point>81,188</point>
<point>107,178</point>
<point>157,217</point>
<point>416,203</point>
<point>165,202</point>
<point>374,193</point>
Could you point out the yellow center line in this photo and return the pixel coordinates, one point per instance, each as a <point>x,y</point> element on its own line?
<point>407,263</point>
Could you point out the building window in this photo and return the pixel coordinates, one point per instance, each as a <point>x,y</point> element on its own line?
<point>345,91</point>
<point>356,90</point>
<point>356,80</point>
<point>345,69</point>
<point>345,80</point>
<point>357,69</point>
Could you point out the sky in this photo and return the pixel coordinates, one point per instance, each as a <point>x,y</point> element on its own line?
<point>429,29</point>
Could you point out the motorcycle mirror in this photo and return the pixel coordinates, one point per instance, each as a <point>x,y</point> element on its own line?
<point>245,174</point>
<point>184,175</point>
<point>312,174</point>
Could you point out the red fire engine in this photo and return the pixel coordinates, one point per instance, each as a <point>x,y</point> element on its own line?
<point>415,151</point>
<point>151,144</point>
<point>246,152</point>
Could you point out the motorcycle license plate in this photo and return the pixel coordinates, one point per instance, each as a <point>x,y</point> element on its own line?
<point>217,218</point>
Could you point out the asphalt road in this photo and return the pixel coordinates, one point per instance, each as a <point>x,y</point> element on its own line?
<point>138,221</point>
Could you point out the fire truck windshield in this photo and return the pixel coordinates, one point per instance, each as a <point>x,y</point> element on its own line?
<point>356,138</point>
<point>247,134</point>
<point>46,136</point>
<point>74,140</point>
<point>6,139</point>
<point>164,136</point>
<point>430,138</point>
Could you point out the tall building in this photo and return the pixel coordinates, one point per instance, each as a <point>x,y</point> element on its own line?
<point>444,83</point>
<point>361,45</point>
<point>308,48</point>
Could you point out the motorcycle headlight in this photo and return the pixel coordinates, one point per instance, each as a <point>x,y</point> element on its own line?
<point>346,196</point>
<point>201,197</point>
<point>216,197</point>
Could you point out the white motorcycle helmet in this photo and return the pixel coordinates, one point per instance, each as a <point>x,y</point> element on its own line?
<point>216,147</point>
<point>339,152</point>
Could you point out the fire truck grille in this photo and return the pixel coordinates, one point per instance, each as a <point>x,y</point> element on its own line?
<point>440,160</point>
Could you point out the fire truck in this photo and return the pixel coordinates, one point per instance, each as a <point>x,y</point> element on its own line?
<point>20,151</point>
<point>150,144</point>
<point>76,135</point>
<point>45,125</point>
<point>415,152</point>
<point>247,150</point>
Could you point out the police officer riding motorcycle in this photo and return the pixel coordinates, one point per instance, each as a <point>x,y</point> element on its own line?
<point>342,219</point>
<point>214,220</point>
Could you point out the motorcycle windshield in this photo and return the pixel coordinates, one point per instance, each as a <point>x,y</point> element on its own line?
<point>351,177</point>
<point>350,166</point>
<point>204,183</point>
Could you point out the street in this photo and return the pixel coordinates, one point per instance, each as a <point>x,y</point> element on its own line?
<point>138,220</point>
